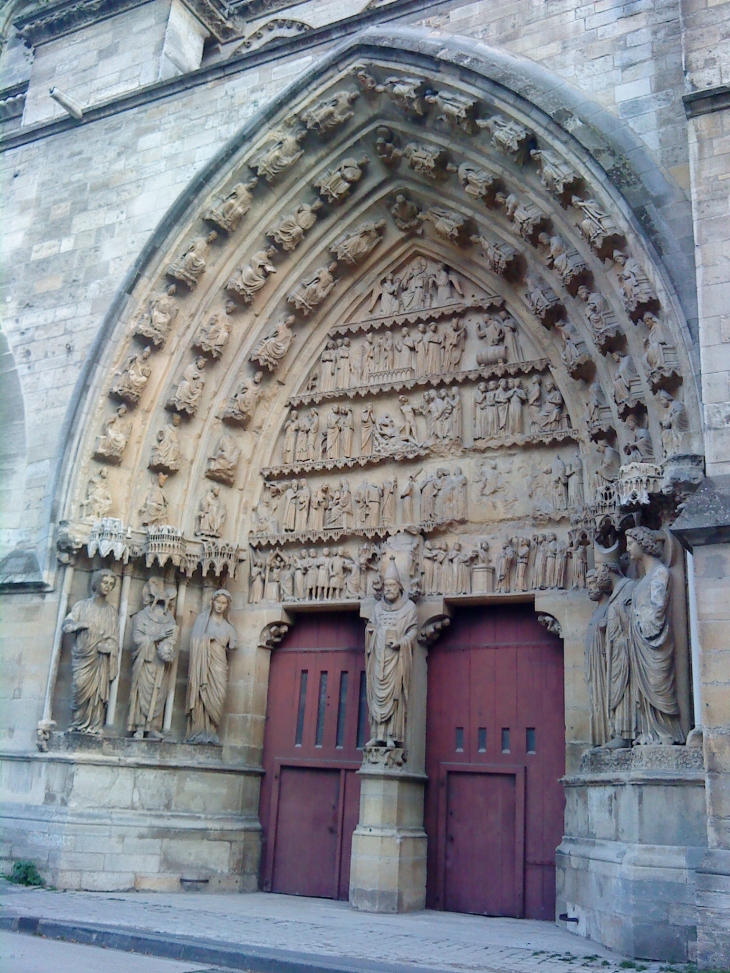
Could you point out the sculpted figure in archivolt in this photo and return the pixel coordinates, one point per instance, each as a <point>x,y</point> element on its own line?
<point>95,653</point>
<point>389,641</point>
<point>212,635</point>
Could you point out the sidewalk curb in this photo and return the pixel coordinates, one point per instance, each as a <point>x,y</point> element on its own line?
<point>233,956</point>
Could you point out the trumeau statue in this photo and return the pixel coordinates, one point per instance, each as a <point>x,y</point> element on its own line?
<point>227,212</point>
<point>210,639</point>
<point>166,451</point>
<point>289,232</point>
<point>117,429</point>
<point>95,653</point>
<point>243,403</point>
<point>222,464</point>
<point>335,184</point>
<point>154,508</point>
<point>390,638</point>
<point>190,267</point>
<point>312,291</point>
<point>131,381</point>
<point>212,336</point>
<point>247,281</point>
<point>281,151</point>
<point>154,639</point>
<point>156,321</point>
<point>272,348</point>
<point>634,698</point>
<point>330,113</point>
<point>355,245</point>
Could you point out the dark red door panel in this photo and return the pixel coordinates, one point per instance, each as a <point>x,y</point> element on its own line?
<point>310,793</point>
<point>495,727</point>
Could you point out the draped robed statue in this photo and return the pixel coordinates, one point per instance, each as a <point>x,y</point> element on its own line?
<point>95,654</point>
<point>210,639</point>
<point>390,638</point>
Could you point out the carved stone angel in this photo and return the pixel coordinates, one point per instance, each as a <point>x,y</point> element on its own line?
<point>330,113</point>
<point>190,266</point>
<point>156,321</point>
<point>272,348</point>
<point>98,500</point>
<point>407,93</point>
<point>447,223</point>
<point>428,160</point>
<point>247,281</point>
<point>290,231</point>
<point>312,291</point>
<point>166,451</point>
<point>639,294</point>
<point>499,257</point>
<point>405,213</point>
<point>555,173</point>
<point>527,217</point>
<point>154,508</point>
<point>564,259</point>
<point>186,395</point>
<point>242,405</point>
<point>222,464</point>
<point>212,336</point>
<point>455,110</point>
<point>597,226</point>
<point>355,245</point>
<point>477,182</point>
<point>113,440</point>
<point>211,514</point>
<point>507,134</point>
<point>228,212</point>
<point>130,382</point>
<point>280,153</point>
<point>336,184</point>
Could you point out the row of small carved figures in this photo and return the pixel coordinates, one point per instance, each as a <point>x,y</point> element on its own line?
<point>291,506</point>
<point>333,574</point>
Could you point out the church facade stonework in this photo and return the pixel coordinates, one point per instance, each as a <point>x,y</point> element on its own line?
<point>415,330</point>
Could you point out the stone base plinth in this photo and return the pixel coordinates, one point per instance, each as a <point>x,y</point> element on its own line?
<point>388,865</point>
<point>635,832</point>
<point>114,815</point>
<point>713,910</point>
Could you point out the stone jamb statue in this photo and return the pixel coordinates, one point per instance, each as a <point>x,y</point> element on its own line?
<point>390,638</point>
<point>95,653</point>
<point>154,637</point>
<point>212,635</point>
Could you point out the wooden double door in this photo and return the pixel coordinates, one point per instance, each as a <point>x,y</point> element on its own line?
<point>494,758</point>
<point>495,753</point>
<point>315,731</point>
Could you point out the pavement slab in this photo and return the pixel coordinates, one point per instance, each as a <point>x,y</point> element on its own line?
<point>267,932</point>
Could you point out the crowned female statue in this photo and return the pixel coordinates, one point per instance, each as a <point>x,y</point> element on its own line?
<point>154,636</point>
<point>390,638</point>
<point>212,635</point>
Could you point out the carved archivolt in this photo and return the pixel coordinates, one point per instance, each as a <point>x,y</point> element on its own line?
<point>424,329</point>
